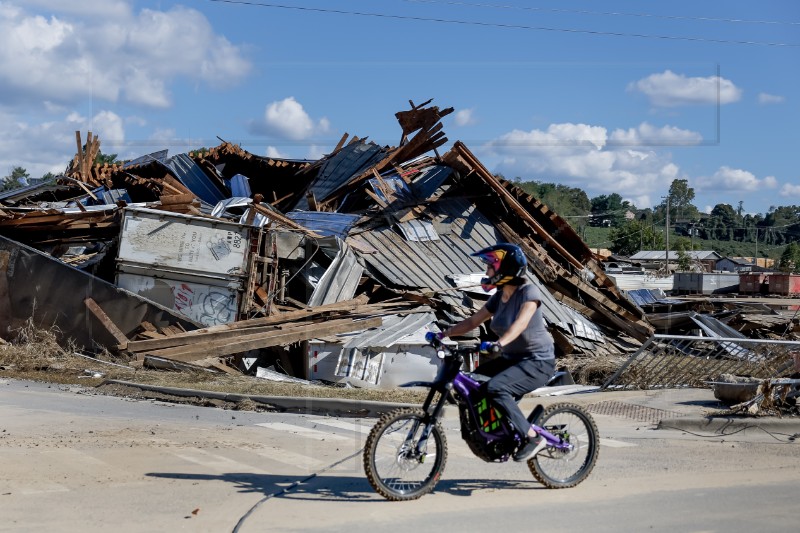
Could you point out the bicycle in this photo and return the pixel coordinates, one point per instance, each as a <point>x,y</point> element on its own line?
<point>406,450</point>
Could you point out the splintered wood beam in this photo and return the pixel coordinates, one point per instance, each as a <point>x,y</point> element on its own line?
<point>243,343</point>
<point>462,151</point>
<point>105,321</point>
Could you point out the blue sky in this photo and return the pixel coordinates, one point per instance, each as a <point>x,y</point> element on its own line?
<point>614,96</point>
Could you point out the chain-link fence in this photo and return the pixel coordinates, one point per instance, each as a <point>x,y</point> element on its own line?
<point>668,361</point>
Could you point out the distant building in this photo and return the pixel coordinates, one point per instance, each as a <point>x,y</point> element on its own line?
<point>734,264</point>
<point>654,259</point>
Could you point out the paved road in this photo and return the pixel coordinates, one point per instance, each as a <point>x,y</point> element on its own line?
<point>73,461</point>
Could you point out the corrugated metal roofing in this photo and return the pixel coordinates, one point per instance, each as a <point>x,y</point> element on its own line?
<point>394,328</point>
<point>418,230</point>
<point>650,296</point>
<point>325,223</point>
<point>655,255</point>
<point>432,264</point>
<point>146,159</point>
<point>197,181</point>
<point>431,178</point>
<point>462,230</point>
<point>340,280</point>
<point>337,170</point>
<point>396,183</point>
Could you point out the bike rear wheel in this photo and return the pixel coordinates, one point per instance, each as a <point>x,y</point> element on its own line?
<point>394,466</point>
<point>557,469</point>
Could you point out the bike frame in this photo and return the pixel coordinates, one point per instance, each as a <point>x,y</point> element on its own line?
<point>451,377</point>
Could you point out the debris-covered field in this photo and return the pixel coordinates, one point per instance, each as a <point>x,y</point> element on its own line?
<point>225,270</point>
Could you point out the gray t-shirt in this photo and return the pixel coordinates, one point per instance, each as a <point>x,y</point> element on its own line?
<point>535,342</point>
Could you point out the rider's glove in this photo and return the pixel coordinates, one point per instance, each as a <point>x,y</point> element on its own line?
<point>430,336</point>
<point>490,347</point>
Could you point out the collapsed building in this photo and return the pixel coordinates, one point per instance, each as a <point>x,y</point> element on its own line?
<point>327,270</point>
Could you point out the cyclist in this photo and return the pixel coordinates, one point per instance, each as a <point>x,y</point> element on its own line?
<point>527,357</point>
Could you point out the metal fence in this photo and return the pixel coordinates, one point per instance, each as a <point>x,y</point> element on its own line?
<point>667,361</point>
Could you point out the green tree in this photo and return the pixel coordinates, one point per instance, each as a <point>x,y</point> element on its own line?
<point>633,236</point>
<point>17,178</point>
<point>680,201</point>
<point>104,158</point>
<point>722,222</point>
<point>790,258</point>
<point>610,208</point>
<point>569,202</point>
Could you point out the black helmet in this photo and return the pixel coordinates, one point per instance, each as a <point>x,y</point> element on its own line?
<point>508,263</point>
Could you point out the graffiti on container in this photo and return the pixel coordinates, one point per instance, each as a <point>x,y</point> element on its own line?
<point>219,249</point>
<point>205,304</point>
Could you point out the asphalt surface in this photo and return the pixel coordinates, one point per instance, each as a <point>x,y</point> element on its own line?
<point>689,410</point>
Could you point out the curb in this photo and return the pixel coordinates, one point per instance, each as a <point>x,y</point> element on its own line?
<point>724,426</point>
<point>306,405</point>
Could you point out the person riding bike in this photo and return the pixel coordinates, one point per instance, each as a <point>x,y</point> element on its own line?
<point>527,356</point>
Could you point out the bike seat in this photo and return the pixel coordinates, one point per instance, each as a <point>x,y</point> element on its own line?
<point>480,378</point>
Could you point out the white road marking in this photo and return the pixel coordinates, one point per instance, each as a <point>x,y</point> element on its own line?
<point>301,431</point>
<point>611,443</point>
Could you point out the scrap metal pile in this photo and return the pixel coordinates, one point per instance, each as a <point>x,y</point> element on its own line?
<point>330,269</point>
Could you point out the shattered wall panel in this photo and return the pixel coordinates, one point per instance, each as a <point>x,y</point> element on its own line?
<point>56,299</point>
<point>340,280</point>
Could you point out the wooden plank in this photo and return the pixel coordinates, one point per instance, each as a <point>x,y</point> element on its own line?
<point>107,323</point>
<point>244,343</point>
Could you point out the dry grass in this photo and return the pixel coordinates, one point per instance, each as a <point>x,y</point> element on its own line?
<point>35,354</point>
<point>593,370</point>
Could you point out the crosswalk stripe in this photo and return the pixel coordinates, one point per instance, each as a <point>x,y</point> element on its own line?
<point>611,443</point>
<point>362,427</point>
<point>303,431</point>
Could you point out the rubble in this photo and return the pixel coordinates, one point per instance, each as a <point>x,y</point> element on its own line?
<point>329,270</point>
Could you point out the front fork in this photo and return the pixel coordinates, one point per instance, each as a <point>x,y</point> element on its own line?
<point>433,407</point>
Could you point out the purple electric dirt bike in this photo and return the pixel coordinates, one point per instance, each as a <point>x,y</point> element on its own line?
<point>406,450</point>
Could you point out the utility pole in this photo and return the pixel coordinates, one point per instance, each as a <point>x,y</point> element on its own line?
<point>666,240</point>
<point>755,258</point>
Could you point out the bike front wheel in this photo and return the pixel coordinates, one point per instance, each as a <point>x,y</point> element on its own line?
<point>397,465</point>
<point>561,469</point>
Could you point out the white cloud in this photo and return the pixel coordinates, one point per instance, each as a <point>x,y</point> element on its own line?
<point>584,156</point>
<point>50,146</point>
<point>274,152</point>
<point>89,8</point>
<point>668,89</point>
<point>733,179</point>
<point>790,190</point>
<point>108,126</point>
<point>465,117</point>
<point>648,135</point>
<point>288,120</point>
<point>766,99</point>
<point>122,56</point>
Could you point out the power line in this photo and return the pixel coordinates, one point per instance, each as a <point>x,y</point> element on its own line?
<point>501,25</point>
<point>603,13</point>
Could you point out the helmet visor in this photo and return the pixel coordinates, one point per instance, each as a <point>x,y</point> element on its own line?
<point>493,259</point>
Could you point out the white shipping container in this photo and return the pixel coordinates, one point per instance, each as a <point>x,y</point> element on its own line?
<point>206,303</point>
<point>184,242</point>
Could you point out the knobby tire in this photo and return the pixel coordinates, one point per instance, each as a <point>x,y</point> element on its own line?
<point>382,455</point>
<point>558,470</point>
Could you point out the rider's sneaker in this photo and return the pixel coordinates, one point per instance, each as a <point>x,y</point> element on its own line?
<point>534,446</point>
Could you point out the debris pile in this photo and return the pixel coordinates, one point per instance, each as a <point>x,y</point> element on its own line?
<point>327,270</point>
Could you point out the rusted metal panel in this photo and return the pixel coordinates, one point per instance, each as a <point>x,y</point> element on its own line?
<point>752,282</point>
<point>784,284</point>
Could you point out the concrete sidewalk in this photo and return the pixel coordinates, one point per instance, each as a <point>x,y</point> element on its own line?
<point>687,409</point>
